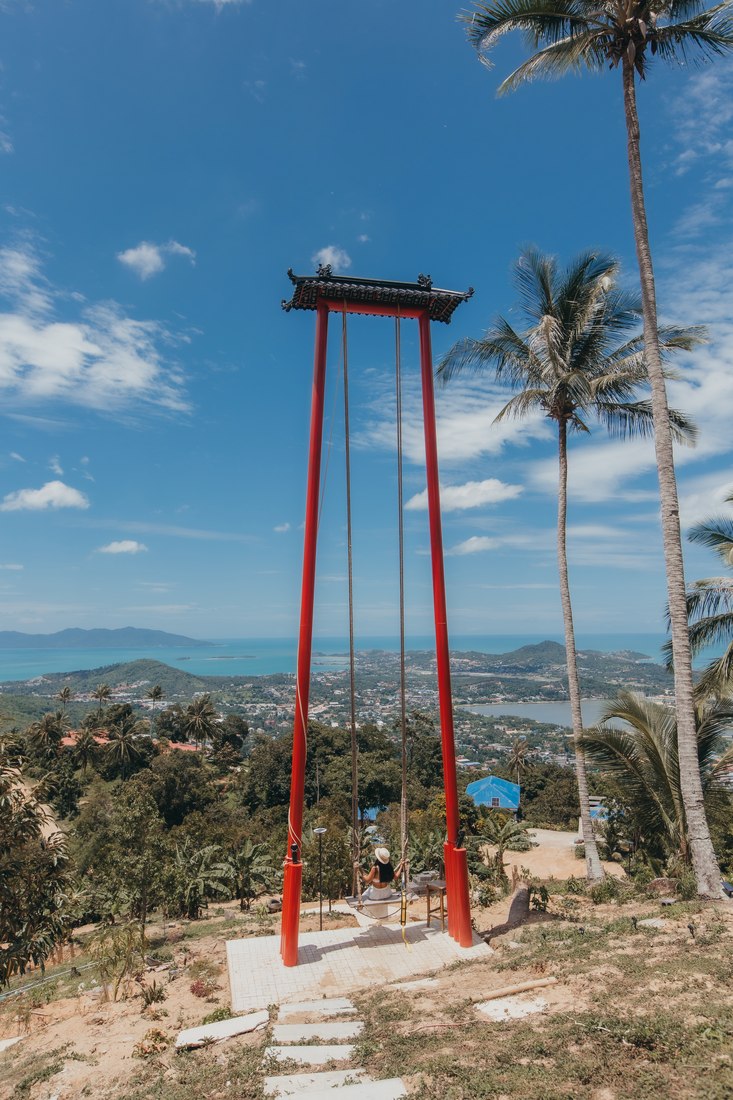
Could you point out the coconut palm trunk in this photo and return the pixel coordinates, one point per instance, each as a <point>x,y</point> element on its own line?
<point>594,870</point>
<point>705,864</point>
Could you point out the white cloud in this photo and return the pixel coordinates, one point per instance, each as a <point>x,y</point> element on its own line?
<point>363,238</point>
<point>104,360</point>
<point>704,496</point>
<point>54,494</point>
<point>55,466</point>
<point>702,114</point>
<point>125,546</point>
<point>147,259</point>
<point>143,528</point>
<point>12,566</point>
<point>16,457</point>
<point>282,528</point>
<point>472,494</point>
<point>465,414</point>
<point>334,255</point>
<point>477,544</point>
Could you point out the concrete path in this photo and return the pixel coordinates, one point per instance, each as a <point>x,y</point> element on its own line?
<point>335,963</point>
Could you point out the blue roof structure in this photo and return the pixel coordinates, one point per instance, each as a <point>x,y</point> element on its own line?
<point>499,794</point>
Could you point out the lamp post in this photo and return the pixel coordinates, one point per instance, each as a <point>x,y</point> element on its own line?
<point>319,833</point>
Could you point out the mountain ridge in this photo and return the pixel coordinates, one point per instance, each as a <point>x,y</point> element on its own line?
<point>126,637</point>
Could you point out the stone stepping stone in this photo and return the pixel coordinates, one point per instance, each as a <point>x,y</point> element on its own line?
<point>222,1029</point>
<point>333,1032</point>
<point>301,1084</point>
<point>311,1055</point>
<point>327,1006</point>
<point>653,922</point>
<point>511,1008</point>
<point>390,1089</point>
<point>416,983</point>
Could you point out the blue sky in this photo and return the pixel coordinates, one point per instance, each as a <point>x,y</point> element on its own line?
<point>162,164</point>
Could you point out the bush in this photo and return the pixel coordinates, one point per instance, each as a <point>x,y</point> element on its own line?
<point>224,1012</point>
<point>152,994</point>
<point>538,897</point>
<point>204,988</point>
<point>605,891</point>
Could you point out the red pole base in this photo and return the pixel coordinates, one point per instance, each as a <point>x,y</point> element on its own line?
<point>291,913</point>
<point>462,930</point>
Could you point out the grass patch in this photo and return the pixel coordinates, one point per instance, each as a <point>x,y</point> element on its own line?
<point>235,1071</point>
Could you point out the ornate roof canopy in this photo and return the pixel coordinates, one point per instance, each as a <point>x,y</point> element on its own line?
<point>385,295</point>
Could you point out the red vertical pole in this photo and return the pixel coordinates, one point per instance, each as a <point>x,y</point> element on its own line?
<point>459,924</point>
<point>293,865</point>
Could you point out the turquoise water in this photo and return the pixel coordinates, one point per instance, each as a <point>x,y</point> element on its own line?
<point>262,656</point>
<point>554,713</point>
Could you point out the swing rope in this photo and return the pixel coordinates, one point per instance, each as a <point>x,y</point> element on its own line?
<point>403,685</point>
<point>401,545</point>
<point>356,852</point>
<point>352,656</point>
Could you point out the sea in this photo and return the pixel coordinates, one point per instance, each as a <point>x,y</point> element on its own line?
<point>264,656</point>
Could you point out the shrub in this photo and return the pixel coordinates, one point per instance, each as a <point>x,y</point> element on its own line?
<point>203,987</point>
<point>153,1042</point>
<point>538,897</point>
<point>605,891</point>
<point>152,994</point>
<point>224,1012</point>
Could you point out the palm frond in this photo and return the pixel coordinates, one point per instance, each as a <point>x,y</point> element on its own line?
<point>682,337</point>
<point>702,37</point>
<point>586,49</point>
<point>527,401</point>
<point>710,598</point>
<point>545,20</point>
<point>716,679</point>
<point>716,534</point>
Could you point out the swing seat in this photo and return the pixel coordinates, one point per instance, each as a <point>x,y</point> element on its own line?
<point>371,909</point>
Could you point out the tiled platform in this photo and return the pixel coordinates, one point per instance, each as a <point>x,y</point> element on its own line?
<point>336,963</point>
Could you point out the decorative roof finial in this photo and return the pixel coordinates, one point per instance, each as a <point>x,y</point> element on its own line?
<point>425,280</point>
<point>323,271</point>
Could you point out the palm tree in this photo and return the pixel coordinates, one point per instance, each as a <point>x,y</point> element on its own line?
<point>518,756</point>
<point>155,695</point>
<point>48,732</point>
<point>710,609</point>
<point>200,719</point>
<point>85,749</point>
<point>252,864</point>
<point>643,758</point>
<point>594,34</point>
<point>65,696</point>
<point>102,693</point>
<point>569,364</point>
<point>121,746</point>
<point>199,873</point>
<point>502,833</point>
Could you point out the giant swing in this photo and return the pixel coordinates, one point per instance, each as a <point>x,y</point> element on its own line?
<point>326,293</point>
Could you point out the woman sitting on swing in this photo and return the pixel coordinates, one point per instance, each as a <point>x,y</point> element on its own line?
<point>382,875</point>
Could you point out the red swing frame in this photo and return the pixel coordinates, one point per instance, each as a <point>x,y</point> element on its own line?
<point>326,293</point>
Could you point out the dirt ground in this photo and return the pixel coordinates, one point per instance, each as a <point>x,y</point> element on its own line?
<point>100,1036</point>
<point>554,858</point>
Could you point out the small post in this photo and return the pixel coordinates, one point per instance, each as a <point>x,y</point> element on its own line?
<point>319,833</point>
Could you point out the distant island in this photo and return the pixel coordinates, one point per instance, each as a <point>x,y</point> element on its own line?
<point>126,637</point>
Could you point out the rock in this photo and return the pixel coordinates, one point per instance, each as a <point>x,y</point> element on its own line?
<point>653,922</point>
<point>662,886</point>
